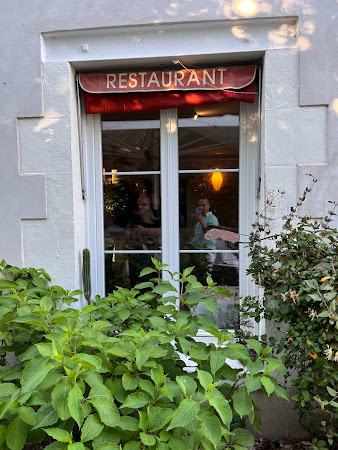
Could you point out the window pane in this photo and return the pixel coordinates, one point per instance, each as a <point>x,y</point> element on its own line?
<point>130,150</point>
<point>199,199</point>
<point>209,147</point>
<point>132,212</point>
<point>223,269</point>
<point>124,270</point>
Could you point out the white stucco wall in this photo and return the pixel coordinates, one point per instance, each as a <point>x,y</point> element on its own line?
<point>42,221</point>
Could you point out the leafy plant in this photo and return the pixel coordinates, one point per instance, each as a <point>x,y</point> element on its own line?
<point>298,271</point>
<point>124,372</point>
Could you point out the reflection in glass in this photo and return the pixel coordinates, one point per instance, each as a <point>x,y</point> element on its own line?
<point>221,211</point>
<point>223,269</point>
<point>132,212</point>
<point>131,150</point>
<point>124,270</point>
<point>208,147</point>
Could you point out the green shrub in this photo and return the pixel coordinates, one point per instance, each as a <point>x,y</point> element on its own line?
<point>112,375</point>
<point>298,271</point>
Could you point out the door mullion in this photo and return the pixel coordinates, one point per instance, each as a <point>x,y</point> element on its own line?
<point>169,190</point>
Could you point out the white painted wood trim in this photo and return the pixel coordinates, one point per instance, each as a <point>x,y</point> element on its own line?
<point>248,187</point>
<point>92,150</point>
<point>170,192</point>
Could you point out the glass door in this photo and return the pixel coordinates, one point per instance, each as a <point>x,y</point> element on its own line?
<point>179,188</point>
<point>208,149</point>
<point>131,198</point>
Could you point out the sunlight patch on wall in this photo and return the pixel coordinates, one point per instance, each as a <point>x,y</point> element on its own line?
<point>246,8</point>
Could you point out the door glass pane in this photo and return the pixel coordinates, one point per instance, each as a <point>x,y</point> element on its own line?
<point>200,201</point>
<point>130,149</point>
<point>124,270</point>
<point>132,208</point>
<point>211,143</point>
<point>223,269</point>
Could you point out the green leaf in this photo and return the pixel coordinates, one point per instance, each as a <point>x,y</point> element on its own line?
<point>91,428</point>
<point>205,378</point>
<point>58,434</point>
<point>177,443</point>
<point>45,416</point>
<point>132,445</point>
<point>28,415</point>
<point>88,362</point>
<point>129,381</point>
<point>102,400</point>
<point>222,406</point>
<point>211,305</point>
<point>76,446</point>
<point>128,423</point>
<point>6,285</point>
<point>242,401</point>
<point>171,390</point>
<point>274,364</point>
<point>255,367</point>
<point>141,357</point>
<point>237,351</point>
<point>108,436</point>
<point>3,431</point>
<point>146,271</point>
<point>146,284</point>
<point>45,350</point>
<point>56,446</point>
<point>16,434</point>
<point>217,360</point>
<point>210,427</point>
<point>243,437</point>
<point>187,384</point>
<point>185,344</point>
<point>7,389</point>
<point>60,396</point>
<point>256,345</point>
<point>268,385</point>
<point>253,382</point>
<point>281,392</point>
<point>34,373</point>
<point>123,314</point>
<point>120,352</point>
<point>147,439</point>
<point>108,447</point>
<point>147,386</point>
<point>163,288</point>
<point>185,413</point>
<point>74,404</point>
<point>135,401</point>
<point>331,391</point>
<point>159,417</point>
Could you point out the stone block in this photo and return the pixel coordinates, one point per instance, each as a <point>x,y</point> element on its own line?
<point>281,137</point>
<point>45,145</point>
<point>311,137</point>
<point>283,179</point>
<point>281,79</point>
<point>57,79</point>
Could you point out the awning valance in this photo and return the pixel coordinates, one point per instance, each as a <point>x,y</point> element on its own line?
<point>145,91</point>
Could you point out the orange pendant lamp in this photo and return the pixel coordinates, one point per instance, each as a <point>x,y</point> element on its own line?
<point>217,180</point>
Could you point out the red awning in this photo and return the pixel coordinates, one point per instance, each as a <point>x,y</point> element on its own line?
<point>146,91</point>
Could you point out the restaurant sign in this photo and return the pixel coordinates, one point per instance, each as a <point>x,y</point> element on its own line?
<point>191,79</point>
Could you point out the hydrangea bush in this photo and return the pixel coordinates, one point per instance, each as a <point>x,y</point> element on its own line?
<point>125,372</point>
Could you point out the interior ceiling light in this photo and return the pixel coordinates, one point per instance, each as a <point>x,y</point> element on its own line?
<point>217,180</point>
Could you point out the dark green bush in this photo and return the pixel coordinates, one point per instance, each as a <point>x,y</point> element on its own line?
<point>298,271</point>
<point>113,376</point>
